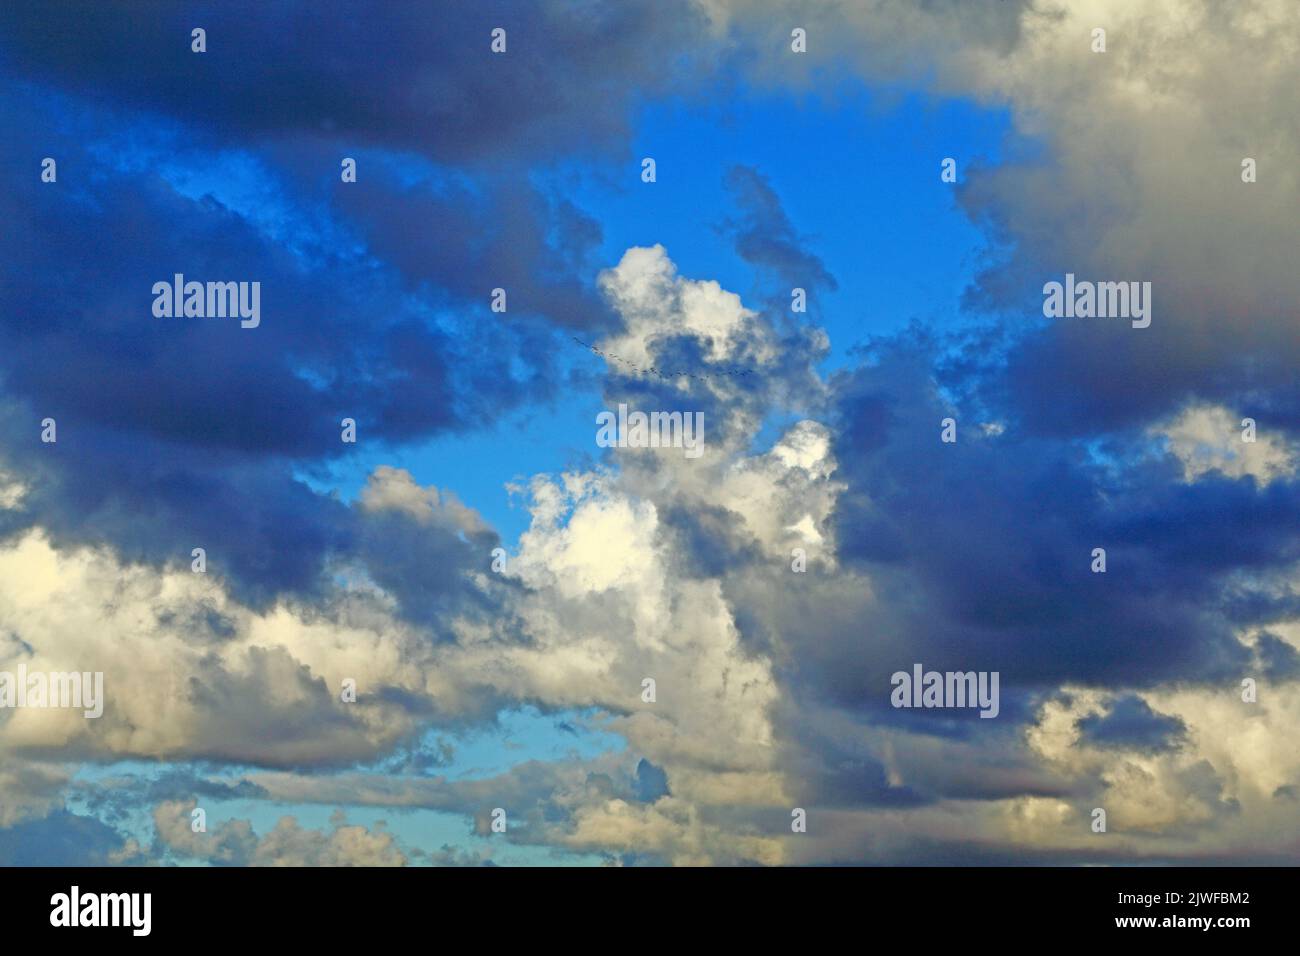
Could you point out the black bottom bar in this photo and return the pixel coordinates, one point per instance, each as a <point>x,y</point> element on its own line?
<point>537,906</point>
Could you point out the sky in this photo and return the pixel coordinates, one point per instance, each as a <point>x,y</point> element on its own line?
<point>475,635</point>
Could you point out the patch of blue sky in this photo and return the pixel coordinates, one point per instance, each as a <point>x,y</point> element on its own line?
<point>859,181</point>
<point>517,736</point>
<point>528,734</point>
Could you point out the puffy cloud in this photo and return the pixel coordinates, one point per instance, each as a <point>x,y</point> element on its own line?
<point>234,843</point>
<point>1217,792</point>
<point>1209,439</point>
<point>30,790</point>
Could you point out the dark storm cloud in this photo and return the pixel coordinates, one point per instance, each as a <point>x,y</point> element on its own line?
<point>184,432</point>
<point>262,531</point>
<point>1083,376</point>
<point>400,555</point>
<point>978,553</point>
<point>1131,724</point>
<point>458,243</point>
<point>840,780</point>
<point>411,76</point>
<point>1223,292</point>
<point>81,340</point>
<point>1281,661</point>
<point>708,537</point>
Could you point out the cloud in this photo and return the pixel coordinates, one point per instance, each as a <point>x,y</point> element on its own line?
<point>766,238</point>
<point>1209,439</point>
<point>234,843</point>
<point>1131,723</point>
<point>31,790</point>
<point>439,85</point>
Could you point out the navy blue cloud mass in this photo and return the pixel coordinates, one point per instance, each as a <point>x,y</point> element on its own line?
<point>497,586</point>
<point>1132,723</point>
